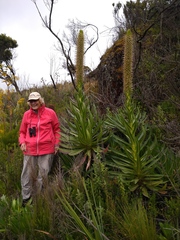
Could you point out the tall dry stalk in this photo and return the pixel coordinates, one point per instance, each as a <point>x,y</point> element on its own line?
<point>128,64</point>
<point>80,60</point>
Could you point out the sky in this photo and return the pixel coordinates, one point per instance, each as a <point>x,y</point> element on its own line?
<point>19,19</point>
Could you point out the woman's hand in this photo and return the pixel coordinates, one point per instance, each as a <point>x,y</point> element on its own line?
<point>56,149</point>
<point>23,147</point>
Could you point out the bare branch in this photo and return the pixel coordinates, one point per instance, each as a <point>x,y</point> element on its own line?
<point>74,29</point>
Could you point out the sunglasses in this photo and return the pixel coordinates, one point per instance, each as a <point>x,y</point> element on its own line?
<point>33,100</point>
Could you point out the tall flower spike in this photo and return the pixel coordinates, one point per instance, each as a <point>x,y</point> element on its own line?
<point>128,64</point>
<point>80,60</point>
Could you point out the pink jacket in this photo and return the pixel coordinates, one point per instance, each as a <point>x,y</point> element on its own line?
<point>40,131</point>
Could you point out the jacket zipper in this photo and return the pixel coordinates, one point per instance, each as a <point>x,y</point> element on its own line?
<point>38,133</point>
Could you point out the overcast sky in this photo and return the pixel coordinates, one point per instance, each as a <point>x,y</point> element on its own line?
<point>19,19</point>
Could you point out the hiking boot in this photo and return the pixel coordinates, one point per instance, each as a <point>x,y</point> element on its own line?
<point>25,201</point>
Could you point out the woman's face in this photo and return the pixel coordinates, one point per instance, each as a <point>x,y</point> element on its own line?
<point>35,104</point>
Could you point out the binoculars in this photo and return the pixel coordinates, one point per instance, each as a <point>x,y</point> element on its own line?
<point>32,132</point>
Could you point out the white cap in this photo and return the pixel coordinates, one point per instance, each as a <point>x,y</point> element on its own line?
<point>34,96</point>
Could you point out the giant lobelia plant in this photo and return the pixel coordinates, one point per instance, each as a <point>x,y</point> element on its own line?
<point>133,155</point>
<point>82,135</point>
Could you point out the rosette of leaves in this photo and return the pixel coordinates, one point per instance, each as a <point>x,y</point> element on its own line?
<point>134,153</point>
<point>83,135</point>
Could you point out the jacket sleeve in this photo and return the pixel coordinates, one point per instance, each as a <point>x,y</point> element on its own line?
<point>23,130</point>
<point>56,129</point>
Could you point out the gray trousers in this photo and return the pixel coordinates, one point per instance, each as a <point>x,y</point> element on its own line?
<point>35,174</point>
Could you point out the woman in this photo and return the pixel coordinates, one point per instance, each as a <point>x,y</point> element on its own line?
<point>39,138</point>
